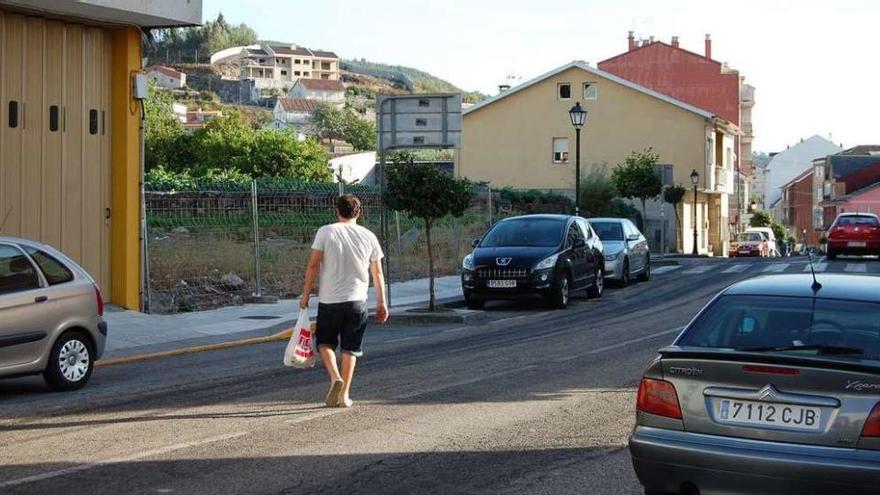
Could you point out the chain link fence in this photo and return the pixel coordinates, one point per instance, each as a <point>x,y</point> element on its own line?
<point>210,246</point>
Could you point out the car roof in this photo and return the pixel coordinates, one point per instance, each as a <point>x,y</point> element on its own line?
<point>834,286</point>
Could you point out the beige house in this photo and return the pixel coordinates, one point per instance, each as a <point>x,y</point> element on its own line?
<point>523,138</point>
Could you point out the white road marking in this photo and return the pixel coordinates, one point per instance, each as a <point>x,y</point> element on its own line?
<point>738,268</point>
<point>620,344</point>
<point>818,267</point>
<point>664,269</point>
<point>699,269</point>
<point>119,460</point>
<point>856,268</point>
<point>776,268</point>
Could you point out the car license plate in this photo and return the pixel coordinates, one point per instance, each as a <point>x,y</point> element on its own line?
<point>749,413</point>
<point>501,284</point>
<point>856,244</point>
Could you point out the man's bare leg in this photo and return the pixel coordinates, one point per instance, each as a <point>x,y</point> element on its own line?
<point>348,363</point>
<point>328,357</point>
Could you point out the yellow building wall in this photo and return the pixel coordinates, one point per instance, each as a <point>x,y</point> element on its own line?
<point>509,142</point>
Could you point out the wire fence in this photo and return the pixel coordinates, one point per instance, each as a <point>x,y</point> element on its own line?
<point>212,245</point>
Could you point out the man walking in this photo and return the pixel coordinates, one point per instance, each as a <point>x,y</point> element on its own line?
<point>344,256</point>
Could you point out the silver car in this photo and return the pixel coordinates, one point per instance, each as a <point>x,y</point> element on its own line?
<point>626,250</point>
<point>51,315</point>
<point>773,388</point>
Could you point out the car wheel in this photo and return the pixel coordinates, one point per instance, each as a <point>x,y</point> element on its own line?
<point>71,362</point>
<point>646,272</point>
<point>595,291</point>
<point>624,274</point>
<point>561,292</point>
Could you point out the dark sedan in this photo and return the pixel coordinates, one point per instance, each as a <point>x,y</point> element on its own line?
<point>535,255</point>
<point>773,388</point>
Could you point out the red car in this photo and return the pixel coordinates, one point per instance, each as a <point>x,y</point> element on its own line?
<point>854,233</point>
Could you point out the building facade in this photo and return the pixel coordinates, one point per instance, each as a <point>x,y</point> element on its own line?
<point>523,138</point>
<point>701,81</point>
<point>71,163</point>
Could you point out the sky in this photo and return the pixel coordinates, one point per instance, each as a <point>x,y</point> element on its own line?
<point>813,63</point>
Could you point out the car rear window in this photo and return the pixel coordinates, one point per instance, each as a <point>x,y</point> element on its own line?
<point>526,232</point>
<point>54,271</point>
<point>761,322</point>
<point>608,231</point>
<point>857,220</point>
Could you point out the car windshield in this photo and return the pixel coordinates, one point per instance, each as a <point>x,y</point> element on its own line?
<point>526,232</point>
<point>750,237</point>
<point>788,324</point>
<point>857,220</point>
<point>608,231</point>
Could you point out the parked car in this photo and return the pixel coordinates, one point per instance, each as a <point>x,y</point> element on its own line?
<point>534,255</point>
<point>774,387</point>
<point>854,233</point>
<point>771,238</point>
<point>626,250</point>
<point>51,315</point>
<point>750,244</point>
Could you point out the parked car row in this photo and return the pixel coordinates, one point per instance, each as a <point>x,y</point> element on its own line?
<point>553,256</point>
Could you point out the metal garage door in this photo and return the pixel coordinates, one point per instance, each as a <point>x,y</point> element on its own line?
<point>54,137</point>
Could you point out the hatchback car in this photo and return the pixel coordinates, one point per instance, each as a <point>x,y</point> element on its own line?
<point>626,250</point>
<point>854,233</point>
<point>774,387</point>
<point>51,315</point>
<point>534,255</point>
<point>750,244</point>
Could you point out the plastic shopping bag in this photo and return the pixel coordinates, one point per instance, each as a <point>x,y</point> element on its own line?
<point>300,351</point>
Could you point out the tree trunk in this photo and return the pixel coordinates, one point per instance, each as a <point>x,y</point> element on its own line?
<point>430,265</point>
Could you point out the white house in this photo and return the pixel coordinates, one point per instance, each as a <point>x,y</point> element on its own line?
<point>788,164</point>
<point>166,77</point>
<point>323,90</point>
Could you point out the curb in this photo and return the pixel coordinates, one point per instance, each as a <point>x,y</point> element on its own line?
<point>277,337</point>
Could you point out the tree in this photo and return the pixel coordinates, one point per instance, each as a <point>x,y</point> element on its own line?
<point>427,193</point>
<point>636,178</point>
<point>162,128</point>
<point>760,219</point>
<point>674,195</point>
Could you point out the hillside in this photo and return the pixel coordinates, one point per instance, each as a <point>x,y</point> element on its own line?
<point>403,79</point>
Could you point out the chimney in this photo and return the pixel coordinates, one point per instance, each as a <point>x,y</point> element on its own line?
<point>708,46</point>
<point>675,42</point>
<point>632,41</point>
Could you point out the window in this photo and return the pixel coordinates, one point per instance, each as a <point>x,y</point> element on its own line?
<point>17,274</point>
<point>54,271</point>
<point>591,91</point>
<point>564,91</point>
<point>560,150</point>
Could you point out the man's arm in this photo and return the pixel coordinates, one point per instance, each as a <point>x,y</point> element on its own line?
<point>379,284</point>
<point>312,270</point>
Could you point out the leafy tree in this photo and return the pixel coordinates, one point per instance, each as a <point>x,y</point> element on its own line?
<point>162,127</point>
<point>674,195</point>
<point>636,178</point>
<point>427,193</point>
<point>760,219</point>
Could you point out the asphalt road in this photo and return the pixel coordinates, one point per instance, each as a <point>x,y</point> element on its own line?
<point>531,401</point>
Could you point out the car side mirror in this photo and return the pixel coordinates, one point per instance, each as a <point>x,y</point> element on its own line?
<point>475,243</point>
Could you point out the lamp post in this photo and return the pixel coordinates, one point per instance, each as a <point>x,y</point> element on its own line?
<point>695,179</point>
<point>578,117</point>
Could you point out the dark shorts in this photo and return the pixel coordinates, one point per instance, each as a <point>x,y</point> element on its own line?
<point>342,323</point>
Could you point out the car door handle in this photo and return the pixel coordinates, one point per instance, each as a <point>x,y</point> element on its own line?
<point>41,299</point>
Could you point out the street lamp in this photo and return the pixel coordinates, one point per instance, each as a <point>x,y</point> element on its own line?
<point>695,179</point>
<point>578,117</point>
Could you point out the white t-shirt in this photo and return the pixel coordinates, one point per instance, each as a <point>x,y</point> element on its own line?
<point>345,272</point>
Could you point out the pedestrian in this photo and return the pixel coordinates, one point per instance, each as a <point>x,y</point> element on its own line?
<point>344,256</point>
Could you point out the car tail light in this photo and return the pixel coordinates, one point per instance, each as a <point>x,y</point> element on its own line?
<point>100,300</point>
<point>658,397</point>
<point>872,425</point>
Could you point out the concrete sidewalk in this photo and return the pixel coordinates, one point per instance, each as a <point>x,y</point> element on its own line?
<point>132,333</point>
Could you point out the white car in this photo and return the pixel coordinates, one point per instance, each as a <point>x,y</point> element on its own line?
<point>771,238</point>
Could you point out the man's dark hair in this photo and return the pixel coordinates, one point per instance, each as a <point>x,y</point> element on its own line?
<point>348,206</point>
